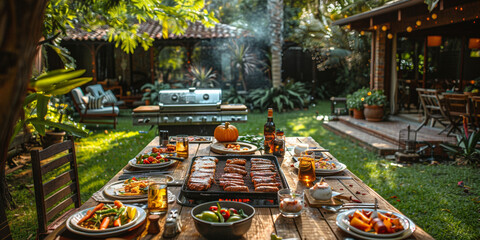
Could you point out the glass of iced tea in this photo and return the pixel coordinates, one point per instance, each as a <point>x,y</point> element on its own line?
<point>157,195</point>
<point>306,169</point>
<point>182,146</point>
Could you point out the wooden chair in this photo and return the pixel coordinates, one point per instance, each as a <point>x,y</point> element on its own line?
<point>56,195</point>
<point>106,115</point>
<point>458,106</point>
<point>5,233</point>
<point>433,108</point>
<point>475,113</point>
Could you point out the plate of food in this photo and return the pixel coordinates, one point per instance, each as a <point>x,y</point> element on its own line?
<point>131,188</point>
<point>153,160</point>
<point>364,224</point>
<point>105,219</point>
<point>326,167</point>
<point>194,139</point>
<point>233,148</point>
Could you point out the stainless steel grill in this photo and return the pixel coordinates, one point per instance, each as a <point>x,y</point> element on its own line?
<point>189,111</point>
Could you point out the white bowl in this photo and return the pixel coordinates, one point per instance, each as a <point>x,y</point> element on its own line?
<point>299,148</point>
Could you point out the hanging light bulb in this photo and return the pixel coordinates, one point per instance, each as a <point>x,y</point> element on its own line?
<point>418,22</point>
<point>375,27</point>
<point>434,16</point>
<point>362,33</point>
<point>389,36</point>
<point>384,28</point>
<point>409,29</point>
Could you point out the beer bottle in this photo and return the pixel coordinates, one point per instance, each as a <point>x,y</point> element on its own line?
<point>269,133</point>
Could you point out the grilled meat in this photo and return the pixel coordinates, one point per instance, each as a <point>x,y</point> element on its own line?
<point>235,170</point>
<point>236,189</point>
<point>239,161</point>
<point>266,189</point>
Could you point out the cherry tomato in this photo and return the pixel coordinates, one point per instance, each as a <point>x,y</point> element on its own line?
<point>213,208</point>
<point>151,158</point>
<point>134,178</point>
<point>232,210</point>
<point>225,213</point>
<point>145,161</point>
<point>159,157</point>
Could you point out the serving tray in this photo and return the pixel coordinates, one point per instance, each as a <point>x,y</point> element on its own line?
<point>216,192</point>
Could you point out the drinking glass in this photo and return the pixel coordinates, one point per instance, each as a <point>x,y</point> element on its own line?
<point>163,137</point>
<point>290,202</point>
<point>306,169</point>
<point>182,146</point>
<point>157,195</point>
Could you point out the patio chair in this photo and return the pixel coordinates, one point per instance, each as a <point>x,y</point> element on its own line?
<point>457,106</point>
<point>56,195</point>
<point>433,108</point>
<point>97,91</point>
<point>475,114</point>
<point>105,115</point>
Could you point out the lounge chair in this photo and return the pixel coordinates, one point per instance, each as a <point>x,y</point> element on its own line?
<point>97,91</point>
<point>107,112</point>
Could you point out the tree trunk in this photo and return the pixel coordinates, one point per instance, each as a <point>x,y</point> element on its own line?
<point>21,23</point>
<point>275,10</point>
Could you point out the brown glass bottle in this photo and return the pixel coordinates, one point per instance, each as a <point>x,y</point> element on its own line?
<point>269,133</point>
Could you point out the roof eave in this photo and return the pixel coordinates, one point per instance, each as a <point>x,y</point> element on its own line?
<point>378,11</point>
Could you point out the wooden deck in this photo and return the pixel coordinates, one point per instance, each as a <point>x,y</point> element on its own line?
<point>382,137</point>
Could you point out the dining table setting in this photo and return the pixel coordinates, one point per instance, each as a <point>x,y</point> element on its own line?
<point>194,187</point>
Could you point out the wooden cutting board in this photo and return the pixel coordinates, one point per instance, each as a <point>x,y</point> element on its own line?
<point>312,202</point>
<point>219,147</point>
<point>233,107</point>
<point>150,108</point>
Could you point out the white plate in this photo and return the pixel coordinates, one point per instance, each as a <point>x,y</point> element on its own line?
<point>113,189</point>
<point>402,218</point>
<point>324,172</point>
<point>346,228</point>
<point>72,221</point>
<point>133,163</point>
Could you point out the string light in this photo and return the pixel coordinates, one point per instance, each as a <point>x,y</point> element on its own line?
<point>409,29</point>
<point>418,23</point>
<point>389,36</point>
<point>375,27</point>
<point>384,28</point>
<point>434,16</point>
<point>362,33</point>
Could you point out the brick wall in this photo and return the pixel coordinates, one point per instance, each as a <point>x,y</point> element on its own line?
<point>379,62</point>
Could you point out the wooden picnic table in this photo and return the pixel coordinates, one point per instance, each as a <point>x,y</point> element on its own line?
<point>314,223</point>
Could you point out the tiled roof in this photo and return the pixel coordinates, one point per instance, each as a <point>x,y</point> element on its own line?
<point>194,31</point>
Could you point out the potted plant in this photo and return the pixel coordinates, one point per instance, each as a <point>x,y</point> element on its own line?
<point>150,95</point>
<point>355,102</point>
<point>374,103</point>
<point>473,88</point>
<point>41,113</point>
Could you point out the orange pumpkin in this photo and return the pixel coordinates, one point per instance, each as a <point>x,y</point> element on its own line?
<point>226,133</point>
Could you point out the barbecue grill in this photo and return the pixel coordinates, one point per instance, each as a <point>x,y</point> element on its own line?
<point>189,111</point>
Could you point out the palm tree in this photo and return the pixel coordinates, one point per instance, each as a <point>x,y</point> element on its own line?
<point>275,10</point>
<point>244,60</point>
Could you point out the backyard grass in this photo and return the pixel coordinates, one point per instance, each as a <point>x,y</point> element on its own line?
<point>426,193</point>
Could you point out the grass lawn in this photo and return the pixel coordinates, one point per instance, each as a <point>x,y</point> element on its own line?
<point>427,194</point>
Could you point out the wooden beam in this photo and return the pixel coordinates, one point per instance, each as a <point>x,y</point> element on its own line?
<point>461,13</point>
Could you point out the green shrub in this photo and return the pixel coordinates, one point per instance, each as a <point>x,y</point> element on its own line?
<point>288,97</point>
<point>376,97</point>
<point>151,91</point>
<point>231,96</point>
<point>357,98</point>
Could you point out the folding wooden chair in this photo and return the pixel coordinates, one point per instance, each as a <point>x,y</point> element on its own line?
<point>433,108</point>
<point>5,233</point>
<point>56,195</point>
<point>458,106</point>
<point>475,113</point>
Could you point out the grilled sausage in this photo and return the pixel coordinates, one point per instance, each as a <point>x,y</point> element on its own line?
<point>275,184</point>
<point>229,184</point>
<point>262,173</point>
<point>232,175</point>
<point>236,189</point>
<point>201,175</point>
<point>198,186</point>
<point>235,166</point>
<point>225,183</point>
<point>263,180</point>
<point>207,181</point>
<point>235,170</point>
<point>262,168</point>
<point>239,161</point>
<point>266,189</point>
<point>207,158</point>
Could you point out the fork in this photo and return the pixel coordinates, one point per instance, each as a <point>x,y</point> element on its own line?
<point>347,206</point>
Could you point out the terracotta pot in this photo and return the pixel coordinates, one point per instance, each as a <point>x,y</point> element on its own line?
<point>147,102</point>
<point>53,138</point>
<point>358,114</point>
<point>373,113</point>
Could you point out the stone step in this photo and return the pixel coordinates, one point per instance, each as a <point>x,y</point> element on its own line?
<point>364,139</point>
